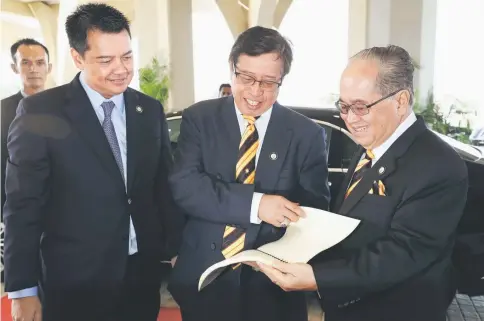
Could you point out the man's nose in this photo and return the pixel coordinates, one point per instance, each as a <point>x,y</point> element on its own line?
<point>255,89</point>
<point>352,117</point>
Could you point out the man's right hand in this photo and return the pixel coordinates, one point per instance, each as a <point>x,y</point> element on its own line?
<point>26,309</point>
<point>277,210</point>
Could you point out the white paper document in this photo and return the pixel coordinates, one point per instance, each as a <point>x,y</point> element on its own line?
<point>303,240</point>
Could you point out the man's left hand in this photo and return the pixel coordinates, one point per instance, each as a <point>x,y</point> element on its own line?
<point>291,276</point>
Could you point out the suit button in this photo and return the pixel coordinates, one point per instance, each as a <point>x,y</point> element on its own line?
<point>213,246</point>
<point>129,201</point>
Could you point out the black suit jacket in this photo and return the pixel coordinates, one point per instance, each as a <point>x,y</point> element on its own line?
<point>65,190</point>
<point>203,183</point>
<point>8,110</point>
<point>397,264</point>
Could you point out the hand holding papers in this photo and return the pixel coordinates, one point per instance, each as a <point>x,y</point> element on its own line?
<point>303,240</point>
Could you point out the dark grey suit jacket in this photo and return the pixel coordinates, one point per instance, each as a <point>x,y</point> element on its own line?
<point>203,183</point>
<point>8,110</point>
<point>66,198</point>
<point>397,264</point>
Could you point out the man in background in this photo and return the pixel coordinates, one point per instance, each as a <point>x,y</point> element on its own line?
<point>30,60</point>
<point>224,90</point>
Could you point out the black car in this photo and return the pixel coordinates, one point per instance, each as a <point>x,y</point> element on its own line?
<point>469,254</point>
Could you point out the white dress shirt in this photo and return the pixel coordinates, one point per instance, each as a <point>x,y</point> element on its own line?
<point>118,117</point>
<point>380,150</point>
<point>261,124</point>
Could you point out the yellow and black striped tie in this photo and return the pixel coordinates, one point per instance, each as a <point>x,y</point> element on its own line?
<point>363,165</point>
<point>234,238</point>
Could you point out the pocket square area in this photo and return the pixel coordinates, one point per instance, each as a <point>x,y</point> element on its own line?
<point>378,188</point>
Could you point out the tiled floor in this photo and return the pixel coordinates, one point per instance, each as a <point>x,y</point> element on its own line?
<point>464,308</point>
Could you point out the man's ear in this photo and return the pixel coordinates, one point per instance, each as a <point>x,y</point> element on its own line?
<point>77,58</point>
<point>403,102</point>
<point>14,68</point>
<point>50,68</point>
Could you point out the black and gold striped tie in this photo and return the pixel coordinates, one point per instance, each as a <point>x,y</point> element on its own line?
<point>363,165</point>
<point>234,238</point>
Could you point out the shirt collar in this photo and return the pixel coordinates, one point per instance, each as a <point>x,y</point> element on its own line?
<point>97,99</point>
<point>380,150</point>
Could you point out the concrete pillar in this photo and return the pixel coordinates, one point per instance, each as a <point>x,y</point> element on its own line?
<point>157,27</point>
<point>47,18</point>
<point>410,24</point>
<point>241,15</point>
<point>66,70</point>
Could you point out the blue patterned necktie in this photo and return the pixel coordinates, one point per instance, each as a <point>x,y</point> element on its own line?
<point>108,127</point>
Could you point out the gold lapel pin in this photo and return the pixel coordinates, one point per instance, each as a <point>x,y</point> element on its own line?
<point>139,109</point>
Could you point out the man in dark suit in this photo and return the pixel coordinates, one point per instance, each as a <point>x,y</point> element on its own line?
<point>243,166</point>
<point>87,187</point>
<point>30,60</point>
<point>409,189</point>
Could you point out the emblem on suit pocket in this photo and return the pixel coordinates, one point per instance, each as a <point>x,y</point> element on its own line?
<point>139,109</point>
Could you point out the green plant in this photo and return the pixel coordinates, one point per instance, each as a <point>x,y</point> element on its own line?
<point>155,81</point>
<point>434,117</point>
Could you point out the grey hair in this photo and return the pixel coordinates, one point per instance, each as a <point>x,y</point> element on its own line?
<point>396,68</point>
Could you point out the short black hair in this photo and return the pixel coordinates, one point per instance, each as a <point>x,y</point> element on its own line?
<point>223,86</point>
<point>259,40</point>
<point>27,42</point>
<point>93,16</point>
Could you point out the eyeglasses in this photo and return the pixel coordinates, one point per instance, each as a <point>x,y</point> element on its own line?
<point>360,109</point>
<point>248,81</point>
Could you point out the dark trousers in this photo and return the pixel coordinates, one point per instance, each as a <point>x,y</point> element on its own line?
<point>137,298</point>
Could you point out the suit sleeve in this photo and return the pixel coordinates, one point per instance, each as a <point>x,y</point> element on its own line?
<point>313,178</point>
<point>420,233</point>
<point>200,194</point>
<point>27,177</point>
<point>172,218</point>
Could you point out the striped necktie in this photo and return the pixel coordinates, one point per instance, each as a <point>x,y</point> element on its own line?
<point>363,165</point>
<point>234,238</point>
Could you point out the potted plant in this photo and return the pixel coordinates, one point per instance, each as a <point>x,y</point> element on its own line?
<point>154,80</point>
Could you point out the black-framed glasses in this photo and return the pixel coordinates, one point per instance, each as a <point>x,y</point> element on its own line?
<point>248,80</point>
<point>360,109</point>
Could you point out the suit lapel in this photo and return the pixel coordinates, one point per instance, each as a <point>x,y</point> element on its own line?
<point>230,138</point>
<point>384,167</point>
<point>271,158</point>
<point>135,122</point>
<point>274,150</point>
<point>346,181</point>
<point>83,117</point>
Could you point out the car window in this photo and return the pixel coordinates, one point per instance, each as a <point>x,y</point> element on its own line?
<point>174,130</point>
<point>348,151</point>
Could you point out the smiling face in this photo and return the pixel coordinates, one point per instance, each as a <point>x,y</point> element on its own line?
<point>108,62</point>
<point>358,87</point>
<point>32,64</point>
<point>255,99</point>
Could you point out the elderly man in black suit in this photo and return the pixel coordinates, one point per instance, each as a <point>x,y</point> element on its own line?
<point>409,189</point>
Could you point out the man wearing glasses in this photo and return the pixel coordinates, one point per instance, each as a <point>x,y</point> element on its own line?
<point>409,189</point>
<point>244,166</point>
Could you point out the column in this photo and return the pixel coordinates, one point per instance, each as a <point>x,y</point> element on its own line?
<point>410,24</point>
<point>163,29</point>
